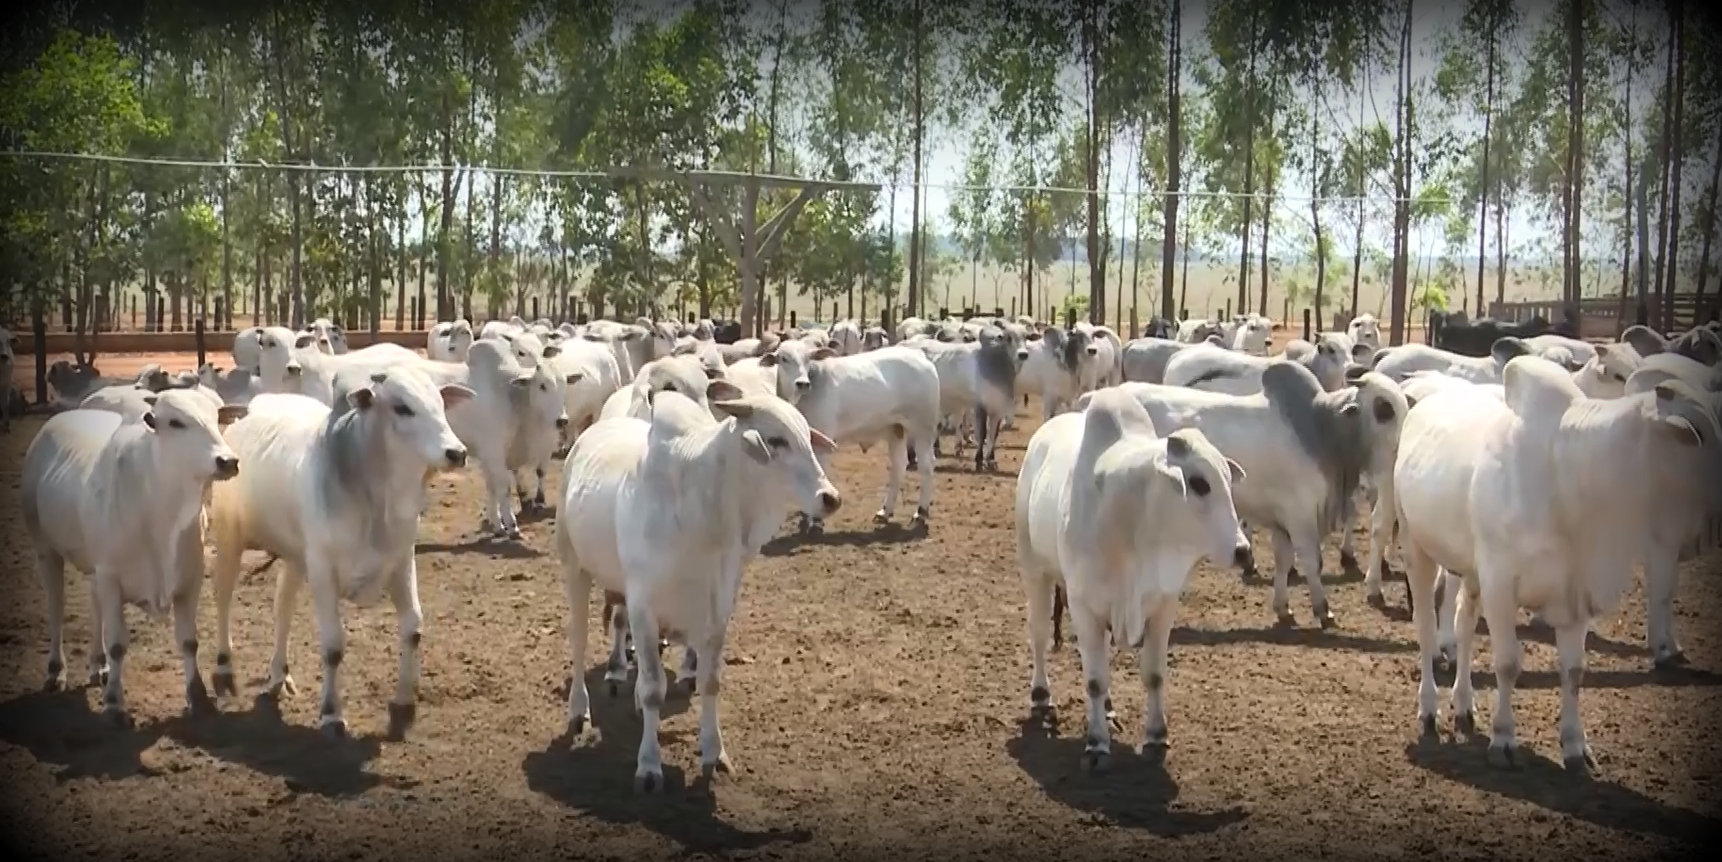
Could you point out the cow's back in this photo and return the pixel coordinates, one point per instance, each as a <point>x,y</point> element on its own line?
<point>600,478</point>
<point>276,444</point>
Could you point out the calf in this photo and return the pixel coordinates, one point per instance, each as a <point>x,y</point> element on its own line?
<point>1119,516</point>
<point>1521,527</point>
<point>335,497</point>
<point>649,507</point>
<point>890,394</point>
<point>122,502</point>
<point>978,377</point>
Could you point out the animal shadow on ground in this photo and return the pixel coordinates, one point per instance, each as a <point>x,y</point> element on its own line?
<point>1546,784</point>
<point>888,534</point>
<point>1288,636</point>
<point>1136,792</point>
<point>1676,677</point>
<point>507,549</point>
<point>260,739</point>
<point>594,774</point>
<point>60,728</point>
<point>537,515</point>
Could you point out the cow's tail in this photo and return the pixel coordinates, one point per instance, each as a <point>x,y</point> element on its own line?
<point>261,567</point>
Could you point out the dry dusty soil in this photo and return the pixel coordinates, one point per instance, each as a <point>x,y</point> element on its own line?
<point>875,702</point>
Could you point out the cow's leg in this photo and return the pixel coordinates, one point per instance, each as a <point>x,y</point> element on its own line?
<point>1500,609</point>
<point>687,674</point>
<point>1282,572</point>
<point>577,588</point>
<point>924,507</point>
<point>496,482</point>
<point>1347,531</point>
<point>1309,551</point>
<point>114,640</point>
<point>648,697</point>
<point>1381,517</point>
<point>1040,589</point>
<point>225,575</point>
<point>1466,604</point>
<point>1093,646</point>
<point>98,645</point>
<point>1421,574</point>
<point>1661,575</point>
<point>813,523</point>
<point>287,582</point>
<point>616,669</point>
<point>1152,661</point>
<point>1447,614</point>
<point>409,622</point>
<point>332,641</point>
<point>538,474</point>
<point>713,757</point>
<point>185,628</point>
<point>1569,644</point>
<point>898,446</point>
<point>51,571</point>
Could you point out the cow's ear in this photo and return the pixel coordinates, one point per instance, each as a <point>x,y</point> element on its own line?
<point>755,446</point>
<point>149,420</point>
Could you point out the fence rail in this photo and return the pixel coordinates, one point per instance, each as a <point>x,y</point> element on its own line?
<point>1607,316</point>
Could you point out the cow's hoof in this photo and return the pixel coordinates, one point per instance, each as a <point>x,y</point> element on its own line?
<point>1465,724</point>
<point>223,683</point>
<point>514,533</point>
<point>1155,749</point>
<point>577,725</point>
<point>1444,659</point>
<point>118,717</point>
<point>1327,620</point>
<point>1504,756</point>
<point>1284,619</point>
<point>815,528</point>
<point>1582,765</point>
<point>1671,661</point>
<point>98,678</point>
<point>1095,761</point>
<point>333,728</point>
<point>197,700</point>
<point>922,514</point>
<point>881,517</point>
<point>710,769</point>
<point>1426,725</point>
<point>1348,560</point>
<point>1376,600</point>
<point>648,781</point>
<point>285,687</point>
<point>401,717</point>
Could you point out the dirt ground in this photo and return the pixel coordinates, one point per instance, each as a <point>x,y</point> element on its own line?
<point>875,702</point>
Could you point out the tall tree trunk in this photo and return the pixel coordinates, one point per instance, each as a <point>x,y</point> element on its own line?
<point>917,301</point>
<point>1249,170</point>
<point>1671,257</point>
<point>1643,315</point>
<point>401,265</point>
<point>468,274</point>
<point>1091,170</point>
<point>1665,146</point>
<point>1402,186</point>
<point>1184,279</point>
<point>1174,153</point>
<point>1361,189</point>
<point>1575,186</point>
<point>1488,118</point>
<point>1267,212</point>
<point>1626,196</point>
<point>375,309</point>
<point>1315,221</point>
<point>1501,246</point>
<point>1709,226</point>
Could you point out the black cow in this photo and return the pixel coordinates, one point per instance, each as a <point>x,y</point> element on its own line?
<point>1159,327</point>
<point>1478,337</point>
<point>726,331</point>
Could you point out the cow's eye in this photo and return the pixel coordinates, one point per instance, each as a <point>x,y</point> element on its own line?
<point>1199,486</point>
<point>403,411</point>
<point>777,443</point>
<point>175,423</point>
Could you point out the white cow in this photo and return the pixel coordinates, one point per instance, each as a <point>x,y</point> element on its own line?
<point>977,376</point>
<point>1397,362</point>
<point>1305,450</point>
<point>682,374</point>
<point>890,394</point>
<point>337,499</point>
<point>1251,334</point>
<point>1215,369</point>
<point>1118,515</point>
<point>1055,367</point>
<point>846,337</point>
<point>1106,369</point>
<point>664,514</point>
<point>328,336</point>
<point>513,421</point>
<point>134,401</point>
<point>1144,359</point>
<point>233,386</point>
<point>598,378</point>
<point>1197,330</point>
<point>449,341</point>
<point>1503,492</point>
<point>122,502</point>
<point>874,337</point>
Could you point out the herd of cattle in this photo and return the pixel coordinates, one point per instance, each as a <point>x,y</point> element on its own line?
<point>1535,471</point>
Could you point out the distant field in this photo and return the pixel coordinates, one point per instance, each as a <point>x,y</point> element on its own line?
<point>1211,288</point>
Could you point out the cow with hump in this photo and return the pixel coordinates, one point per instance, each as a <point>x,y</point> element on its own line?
<point>664,514</point>
<point>1118,516</point>
<point>335,496</point>
<point>1504,492</point>
<point>122,501</point>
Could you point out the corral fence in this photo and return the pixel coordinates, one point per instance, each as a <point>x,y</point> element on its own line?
<point>1609,316</point>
